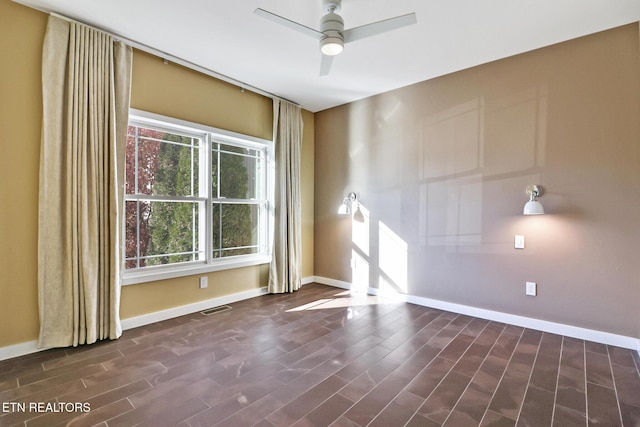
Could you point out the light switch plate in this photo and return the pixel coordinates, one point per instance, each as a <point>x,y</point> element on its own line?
<point>531,289</point>
<point>519,242</point>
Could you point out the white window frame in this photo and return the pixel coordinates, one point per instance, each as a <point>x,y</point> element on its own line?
<point>207,264</point>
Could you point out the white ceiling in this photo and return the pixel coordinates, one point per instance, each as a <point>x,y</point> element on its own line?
<point>451,35</point>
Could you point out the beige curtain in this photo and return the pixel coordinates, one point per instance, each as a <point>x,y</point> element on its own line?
<point>86,89</point>
<point>285,270</point>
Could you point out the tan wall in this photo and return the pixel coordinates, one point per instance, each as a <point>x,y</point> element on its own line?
<point>164,89</point>
<point>175,91</point>
<point>441,167</point>
<point>308,194</point>
<point>21,34</point>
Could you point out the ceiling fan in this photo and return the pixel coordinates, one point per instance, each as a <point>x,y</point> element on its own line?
<point>332,34</point>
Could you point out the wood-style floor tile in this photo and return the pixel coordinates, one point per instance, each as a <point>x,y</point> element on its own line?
<point>322,357</point>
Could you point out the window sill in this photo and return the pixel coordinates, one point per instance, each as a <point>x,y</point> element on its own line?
<point>162,273</point>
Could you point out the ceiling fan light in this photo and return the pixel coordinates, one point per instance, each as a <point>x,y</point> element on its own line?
<point>331,46</point>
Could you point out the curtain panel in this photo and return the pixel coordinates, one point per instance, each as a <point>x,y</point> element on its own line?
<point>86,81</point>
<point>285,272</point>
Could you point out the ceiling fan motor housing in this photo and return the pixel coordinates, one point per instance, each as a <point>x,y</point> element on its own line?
<point>331,25</point>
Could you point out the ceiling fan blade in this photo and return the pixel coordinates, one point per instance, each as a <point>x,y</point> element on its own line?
<point>288,23</point>
<point>379,27</point>
<point>325,64</point>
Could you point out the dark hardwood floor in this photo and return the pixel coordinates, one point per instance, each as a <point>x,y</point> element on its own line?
<point>319,358</point>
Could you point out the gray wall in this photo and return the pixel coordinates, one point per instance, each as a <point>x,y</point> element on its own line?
<point>441,168</point>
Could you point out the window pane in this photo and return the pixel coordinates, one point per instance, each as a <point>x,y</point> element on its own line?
<point>145,157</point>
<point>136,232</point>
<point>177,172</point>
<point>214,172</point>
<point>131,235</point>
<point>216,243</point>
<point>235,229</point>
<point>165,164</point>
<point>242,251</point>
<point>167,233</point>
<point>239,171</point>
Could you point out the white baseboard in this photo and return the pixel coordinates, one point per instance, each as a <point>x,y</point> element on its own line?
<point>16,350</point>
<point>29,347</point>
<point>170,313</point>
<point>158,316</point>
<point>308,280</point>
<point>332,282</point>
<point>512,319</point>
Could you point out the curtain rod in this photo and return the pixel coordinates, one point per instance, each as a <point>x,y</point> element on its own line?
<point>166,56</point>
<point>179,61</point>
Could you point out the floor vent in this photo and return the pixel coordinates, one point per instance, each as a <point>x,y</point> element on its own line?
<point>214,310</point>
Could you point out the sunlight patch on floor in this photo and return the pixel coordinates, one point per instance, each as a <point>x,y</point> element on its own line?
<point>347,299</point>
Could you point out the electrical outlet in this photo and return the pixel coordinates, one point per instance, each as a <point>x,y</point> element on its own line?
<point>204,282</point>
<point>531,289</point>
<point>519,242</point>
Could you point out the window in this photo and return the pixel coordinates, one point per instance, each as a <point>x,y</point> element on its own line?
<point>237,200</point>
<point>196,199</point>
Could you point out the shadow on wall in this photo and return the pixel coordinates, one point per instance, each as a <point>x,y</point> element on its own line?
<point>429,178</point>
<point>471,147</point>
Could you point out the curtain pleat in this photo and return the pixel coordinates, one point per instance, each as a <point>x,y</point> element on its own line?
<point>86,80</point>
<point>285,273</point>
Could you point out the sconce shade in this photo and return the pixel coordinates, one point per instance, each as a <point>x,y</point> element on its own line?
<point>533,207</point>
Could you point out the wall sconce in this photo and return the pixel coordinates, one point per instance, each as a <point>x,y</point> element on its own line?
<point>347,206</point>
<point>533,207</point>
